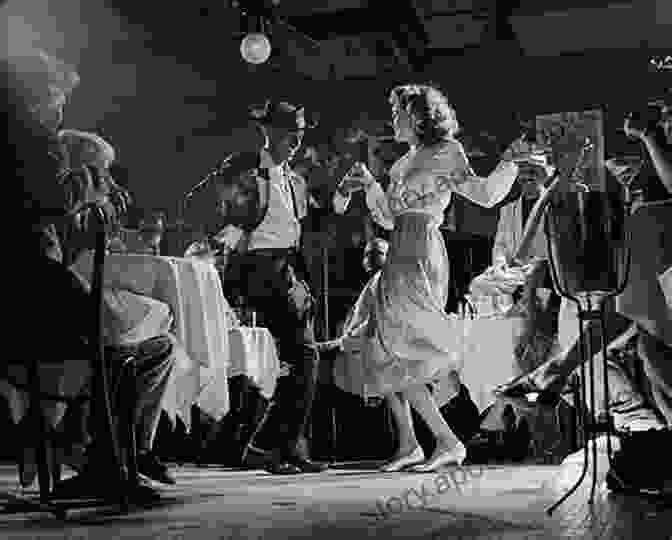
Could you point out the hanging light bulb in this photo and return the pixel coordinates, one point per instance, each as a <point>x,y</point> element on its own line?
<point>255,48</point>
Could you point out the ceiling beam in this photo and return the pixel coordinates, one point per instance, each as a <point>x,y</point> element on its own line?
<point>345,22</point>
<point>539,7</point>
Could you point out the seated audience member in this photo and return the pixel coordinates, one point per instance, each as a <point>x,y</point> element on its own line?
<point>53,201</point>
<point>36,88</point>
<point>133,324</point>
<point>654,348</point>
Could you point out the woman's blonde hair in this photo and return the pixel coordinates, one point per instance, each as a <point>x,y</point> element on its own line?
<point>434,118</point>
<point>85,148</point>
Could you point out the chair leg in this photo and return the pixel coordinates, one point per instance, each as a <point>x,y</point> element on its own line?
<point>131,442</point>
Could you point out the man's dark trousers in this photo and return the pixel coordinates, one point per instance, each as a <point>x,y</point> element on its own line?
<point>268,276</point>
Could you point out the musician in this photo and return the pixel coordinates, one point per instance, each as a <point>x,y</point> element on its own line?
<point>269,237</point>
<point>535,298</point>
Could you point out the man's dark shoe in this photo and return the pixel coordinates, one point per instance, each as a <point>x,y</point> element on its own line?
<point>307,466</point>
<point>620,479</point>
<point>281,467</point>
<point>152,468</point>
<point>88,485</point>
<point>641,466</point>
<point>253,458</point>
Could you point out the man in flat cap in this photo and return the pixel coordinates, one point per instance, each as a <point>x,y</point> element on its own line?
<point>263,203</point>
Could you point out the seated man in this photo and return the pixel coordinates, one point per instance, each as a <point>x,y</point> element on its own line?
<point>535,300</point>
<point>53,320</point>
<point>133,324</point>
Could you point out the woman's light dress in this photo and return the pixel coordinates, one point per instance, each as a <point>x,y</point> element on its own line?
<point>406,336</point>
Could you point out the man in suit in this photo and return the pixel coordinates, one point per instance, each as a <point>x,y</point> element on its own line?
<point>266,201</point>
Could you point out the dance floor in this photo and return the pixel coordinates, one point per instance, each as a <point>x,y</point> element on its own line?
<point>351,501</point>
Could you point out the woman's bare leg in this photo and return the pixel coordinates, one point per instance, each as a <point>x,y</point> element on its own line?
<point>423,402</point>
<point>410,452</point>
<point>401,411</point>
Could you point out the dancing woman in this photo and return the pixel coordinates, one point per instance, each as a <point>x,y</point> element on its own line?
<point>408,342</point>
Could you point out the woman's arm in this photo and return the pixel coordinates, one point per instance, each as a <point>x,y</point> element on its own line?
<point>457,174</point>
<point>376,198</point>
<point>379,206</point>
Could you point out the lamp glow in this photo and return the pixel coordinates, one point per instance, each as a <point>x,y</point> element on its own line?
<point>255,48</point>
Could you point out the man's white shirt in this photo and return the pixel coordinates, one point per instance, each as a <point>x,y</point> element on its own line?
<point>280,229</point>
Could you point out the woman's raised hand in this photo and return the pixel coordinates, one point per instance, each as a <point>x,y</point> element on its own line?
<point>358,177</point>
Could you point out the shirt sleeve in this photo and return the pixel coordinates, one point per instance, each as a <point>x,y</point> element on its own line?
<point>454,171</point>
<point>229,237</point>
<point>500,248</point>
<point>379,206</point>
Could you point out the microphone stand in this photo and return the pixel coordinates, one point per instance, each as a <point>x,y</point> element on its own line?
<point>201,184</point>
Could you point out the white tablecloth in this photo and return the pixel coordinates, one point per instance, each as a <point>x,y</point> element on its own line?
<point>193,290</point>
<point>488,357</point>
<point>253,353</point>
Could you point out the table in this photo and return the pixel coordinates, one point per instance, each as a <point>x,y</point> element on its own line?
<point>193,290</point>
<point>488,357</point>
<point>253,353</point>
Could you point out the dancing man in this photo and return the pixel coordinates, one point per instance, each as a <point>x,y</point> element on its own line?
<point>268,240</point>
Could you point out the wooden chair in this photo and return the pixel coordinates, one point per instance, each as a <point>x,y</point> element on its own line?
<point>48,468</point>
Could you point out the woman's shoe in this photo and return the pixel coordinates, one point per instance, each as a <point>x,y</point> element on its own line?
<point>415,457</point>
<point>454,456</point>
